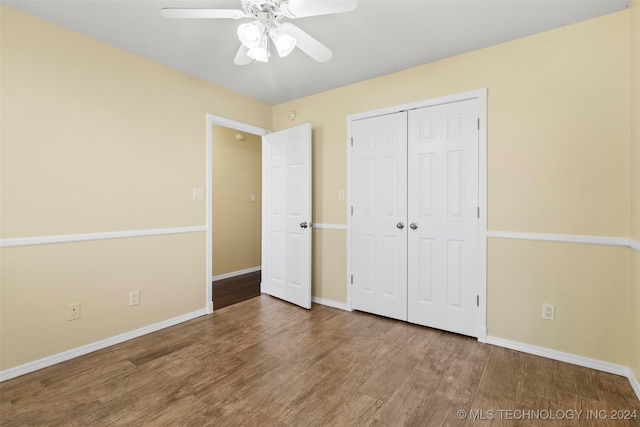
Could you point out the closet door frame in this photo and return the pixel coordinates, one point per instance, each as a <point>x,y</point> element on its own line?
<point>481,96</point>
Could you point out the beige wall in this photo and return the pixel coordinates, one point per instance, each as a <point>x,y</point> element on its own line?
<point>95,139</point>
<point>236,170</point>
<point>588,284</point>
<point>329,267</point>
<point>635,183</point>
<point>38,283</point>
<point>558,162</point>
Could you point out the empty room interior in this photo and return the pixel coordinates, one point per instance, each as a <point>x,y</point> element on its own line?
<point>129,183</point>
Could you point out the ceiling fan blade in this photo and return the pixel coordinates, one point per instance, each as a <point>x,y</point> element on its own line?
<point>241,56</point>
<point>308,44</point>
<point>179,13</point>
<point>303,8</point>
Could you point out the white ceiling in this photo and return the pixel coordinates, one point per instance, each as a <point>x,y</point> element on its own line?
<point>379,37</point>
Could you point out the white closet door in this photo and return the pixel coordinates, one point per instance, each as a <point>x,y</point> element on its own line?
<point>379,200</point>
<point>442,216</point>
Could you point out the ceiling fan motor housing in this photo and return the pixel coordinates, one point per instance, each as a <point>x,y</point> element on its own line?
<point>272,10</point>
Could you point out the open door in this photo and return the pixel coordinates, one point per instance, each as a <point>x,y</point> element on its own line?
<point>286,230</point>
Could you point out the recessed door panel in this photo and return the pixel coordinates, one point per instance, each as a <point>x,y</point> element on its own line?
<point>368,186</point>
<point>389,267</point>
<point>390,185</point>
<point>278,190</point>
<point>455,183</point>
<point>426,184</point>
<point>454,274</point>
<point>425,270</point>
<point>368,262</point>
<point>276,272</point>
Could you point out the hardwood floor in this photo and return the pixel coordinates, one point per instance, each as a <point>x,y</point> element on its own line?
<point>266,362</point>
<point>230,291</point>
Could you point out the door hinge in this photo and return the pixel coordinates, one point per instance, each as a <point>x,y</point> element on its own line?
<point>352,279</point>
<point>352,141</point>
<point>351,210</point>
<point>477,300</point>
<point>478,125</point>
<point>478,211</point>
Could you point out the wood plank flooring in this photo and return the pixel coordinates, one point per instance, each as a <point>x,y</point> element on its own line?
<point>266,362</point>
<point>230,291</point>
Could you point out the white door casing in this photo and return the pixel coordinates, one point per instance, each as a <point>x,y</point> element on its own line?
<point>443,216</point>
<point>286,235</point>
<point>378,233</point>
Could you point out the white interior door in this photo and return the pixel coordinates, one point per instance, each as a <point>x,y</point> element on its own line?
<point>286,236</point>
<point>378,223</point>
<point>443,216</point>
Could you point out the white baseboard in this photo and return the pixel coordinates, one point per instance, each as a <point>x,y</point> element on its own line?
<point>482,334</point>
<point>89,348</point>
<point>634,383</point>
<point>330,303</point>
<point>574,359</point>
<point>236,273</point>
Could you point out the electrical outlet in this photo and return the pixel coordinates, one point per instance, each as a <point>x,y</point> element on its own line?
<point>73,312</point>
<point>134,298</point>
<point>548,311</point>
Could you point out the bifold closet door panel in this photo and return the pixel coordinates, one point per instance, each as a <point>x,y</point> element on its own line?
<point>442,216</point>
<point>378,223</point>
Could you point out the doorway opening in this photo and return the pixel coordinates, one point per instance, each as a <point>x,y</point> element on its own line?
<point>237,215</point>
<point>234,209</point>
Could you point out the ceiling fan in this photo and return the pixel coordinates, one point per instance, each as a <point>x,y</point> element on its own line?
<point>266,24</point>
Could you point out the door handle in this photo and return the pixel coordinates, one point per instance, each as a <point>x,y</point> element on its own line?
<point>413,226</point>
<point>304,225</point>
<point>400,225</point>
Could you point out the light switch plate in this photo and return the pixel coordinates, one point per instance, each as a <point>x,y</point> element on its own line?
<point>198,194</point>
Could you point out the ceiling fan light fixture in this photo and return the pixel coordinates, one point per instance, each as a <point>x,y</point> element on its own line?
<point>261,52</point>
<point>284,42</point>
<point>251,34</point>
